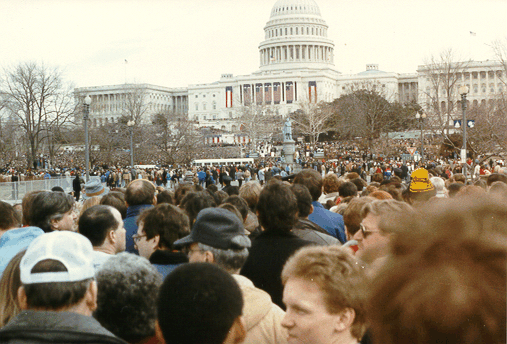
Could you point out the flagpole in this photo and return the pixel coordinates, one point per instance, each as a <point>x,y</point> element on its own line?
<point>126,62</point>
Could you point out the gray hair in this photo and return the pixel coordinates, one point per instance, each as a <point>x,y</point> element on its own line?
<point>127,296</point>
<point>229,260</point>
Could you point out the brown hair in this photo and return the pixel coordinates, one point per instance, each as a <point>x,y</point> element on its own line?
<point>331,183</point>
<point>445,281</point>
<point>9,285</point>
<point>352,216</point>
<point>250,192</point>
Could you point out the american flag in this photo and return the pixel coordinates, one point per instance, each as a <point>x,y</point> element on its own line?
<point>289,94</point>
<point>228,96</point>
<point>312,91</point>
<point>276,92</point>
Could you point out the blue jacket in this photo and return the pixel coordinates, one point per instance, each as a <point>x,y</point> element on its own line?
<point>131,226</point>
<point>15,240</point>
<point>331,222</point>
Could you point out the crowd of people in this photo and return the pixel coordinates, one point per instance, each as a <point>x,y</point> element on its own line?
<point>357,249</point>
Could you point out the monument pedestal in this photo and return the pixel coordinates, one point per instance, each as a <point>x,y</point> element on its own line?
<point>288,151</point>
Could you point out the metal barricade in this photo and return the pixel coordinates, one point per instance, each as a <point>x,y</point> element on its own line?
<point>13,192</point>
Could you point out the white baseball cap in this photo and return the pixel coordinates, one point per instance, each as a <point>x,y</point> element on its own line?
<point>71,249</point>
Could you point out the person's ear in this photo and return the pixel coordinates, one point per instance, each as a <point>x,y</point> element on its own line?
<point>344,319</point>
<point>91,296</point>
<point>111,236</point>
<point>22,301</point>
<point>156,240</point>
<point>311,209</point>
<point>158,333</point>
<point>237,332</point>
<point>54,224</point>
<point>209,257</point>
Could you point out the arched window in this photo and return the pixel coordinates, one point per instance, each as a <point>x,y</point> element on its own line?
<point>196,107</point>
<point>214,105</point>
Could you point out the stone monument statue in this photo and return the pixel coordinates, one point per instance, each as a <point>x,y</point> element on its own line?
<point>287,130</point>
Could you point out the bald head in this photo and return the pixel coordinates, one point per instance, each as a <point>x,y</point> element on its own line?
<point>140,192</point>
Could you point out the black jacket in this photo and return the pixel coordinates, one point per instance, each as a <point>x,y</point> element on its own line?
<point>55,327</point>
<point>266,258</point>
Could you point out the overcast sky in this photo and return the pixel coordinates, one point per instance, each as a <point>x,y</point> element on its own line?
<point>176,43</point>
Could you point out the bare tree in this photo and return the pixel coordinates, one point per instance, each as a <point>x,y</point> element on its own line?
<point>176,138</point>
<point>443,73</point>
<point>259,122</point>
<point>500,51</point>
<point>313,119</point>
<point>37,97</point>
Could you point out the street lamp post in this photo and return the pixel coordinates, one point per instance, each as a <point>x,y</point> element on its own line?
<point>463,91</point>
<point>421,117</point>
<point>131,124</point>
<point>86,104</point>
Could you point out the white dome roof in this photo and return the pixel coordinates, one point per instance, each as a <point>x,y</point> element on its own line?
<point>287,7</point>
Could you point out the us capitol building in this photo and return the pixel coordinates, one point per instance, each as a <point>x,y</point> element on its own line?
<point>296,65</point>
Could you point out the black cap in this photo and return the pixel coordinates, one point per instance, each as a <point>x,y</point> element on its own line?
<point>219,228</point>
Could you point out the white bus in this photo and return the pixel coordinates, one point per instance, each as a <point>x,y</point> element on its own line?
<point>218,162</point>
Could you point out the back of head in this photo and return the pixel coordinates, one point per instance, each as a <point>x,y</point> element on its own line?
<point>240,204</point>
<point>330,183</point>
<point>127,297</point>
<point>9,284</point>
<point>277,207</point>
<point>194,202</point>
<point>198,303</point>
<point>496,177</point>
<point>116,200</point>
<point>56,270</point>
<point>250,192</point>
<point>96,222</point>
<point>312,180</point>
<point>140,192</point>
<point>165,197</point>
<point>347,189</point>
<point>8,217</point>
<point>459,178</point>
<point>445,282</point>
<point>304,200</point>
<point>453,189</point>
<point>498,189</point>
<point>180,193</point>
<point>339,277</point>
<point>46,206</point>
<point>167,221</point>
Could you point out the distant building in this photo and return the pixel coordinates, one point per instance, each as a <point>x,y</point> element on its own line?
<point>296,65</point>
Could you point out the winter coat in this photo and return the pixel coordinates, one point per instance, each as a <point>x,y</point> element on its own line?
<point>262,317</point>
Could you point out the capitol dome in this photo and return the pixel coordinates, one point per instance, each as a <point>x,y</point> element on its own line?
<point>283,7</point>
<point>296,38</point>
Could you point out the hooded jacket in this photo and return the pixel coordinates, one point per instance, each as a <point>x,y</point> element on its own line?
<point>263,318</point>
<point>14,241</point>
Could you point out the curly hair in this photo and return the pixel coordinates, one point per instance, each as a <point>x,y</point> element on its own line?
<point>167,221</point>
<point>339,277</point>
<point>127,297</point>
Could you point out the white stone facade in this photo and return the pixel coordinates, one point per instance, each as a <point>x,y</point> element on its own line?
<point>296,65</point>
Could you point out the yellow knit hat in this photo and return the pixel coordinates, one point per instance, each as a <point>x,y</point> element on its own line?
<point>420,181</point>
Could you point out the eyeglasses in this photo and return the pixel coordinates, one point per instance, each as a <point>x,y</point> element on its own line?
<point>188,251</point>
<point>365,232</point>
<point>137,237</point>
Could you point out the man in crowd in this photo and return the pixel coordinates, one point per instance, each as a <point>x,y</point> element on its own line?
<point>58,294</point>
<point>140,195</point>
<point>331,222</point>
<point>127,297</point>
<point>277,212</point>
<point>103,226</point>
<point>158,228</point>
<point>200,303</point>
<point>324,296</point>
<point>218,237</point>
<point>373,238</point>
<point>304,228</point>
